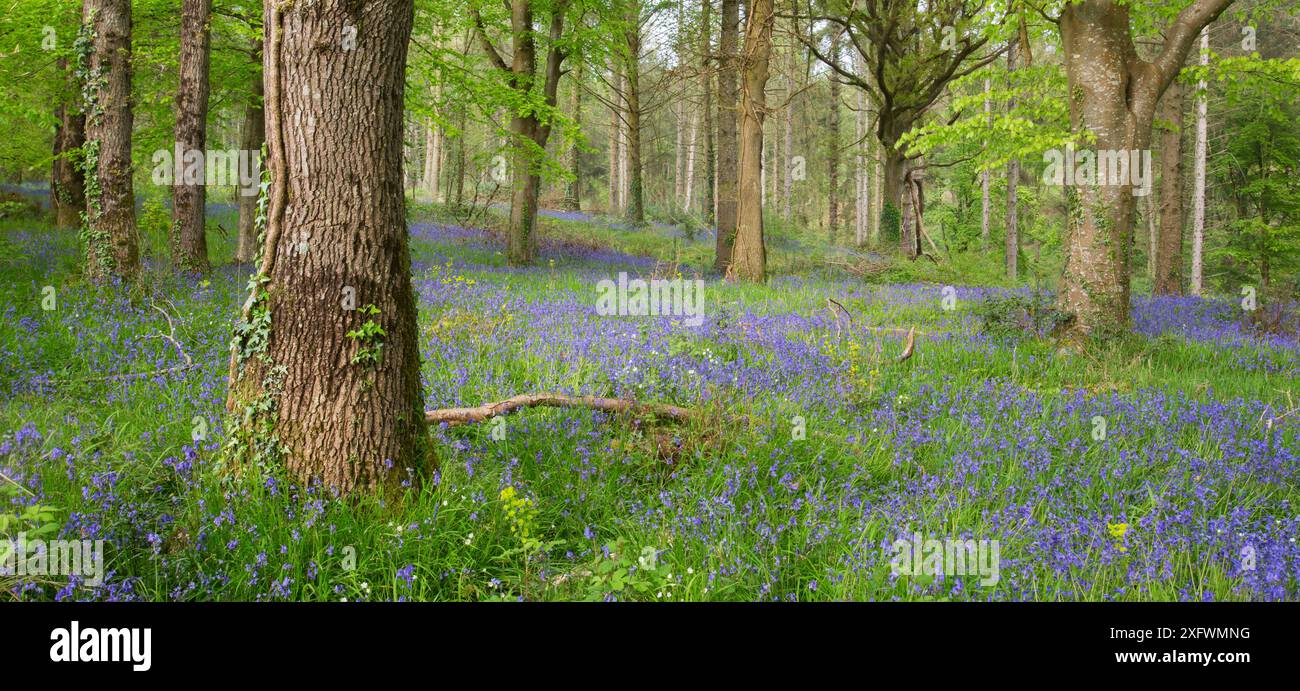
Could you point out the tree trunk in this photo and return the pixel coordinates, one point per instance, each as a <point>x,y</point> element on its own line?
<point>710,148</point>
<point>1011,249</point>
<point>189,245</point>
<point>111,243</point>
<point>459,169</point>
<point>632,75</point>
<point>434,138</point>
<point>728,64</point>
<point>253,137</point>
<point>1113,95</point>
<point>986,177</point>
<point>833,151</point>
<point>862,187</point>
<point>679,153</point>
<point>330,395</point>
<point>895,191</point>
<point>1169,246</point>
<point>749,257</point>
<point>1198,173</point>
<point>573,189</point>
<point>689,193</point>
<point>615,140</point>
<point>68,177</point>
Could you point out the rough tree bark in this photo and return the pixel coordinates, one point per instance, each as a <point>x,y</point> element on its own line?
<point>252,137</point>
<point>728,96</point>
<point>336,401</point>
<point>1113,95</point>
<point>112,248</point>
<point>189,245</point>
<point>749,256</point>
<point>1169,245</point>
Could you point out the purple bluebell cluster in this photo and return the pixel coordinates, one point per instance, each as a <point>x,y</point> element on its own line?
<point>971,432</point>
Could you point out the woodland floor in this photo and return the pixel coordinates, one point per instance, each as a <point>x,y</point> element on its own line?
<point>973,436</point>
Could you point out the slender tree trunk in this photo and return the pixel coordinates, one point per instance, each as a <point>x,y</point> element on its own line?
<point>68,176</point>
<point>1198,175</point>
<point>58,158</point>
<point>331,405</point>
<point>433,153</point>
<point>112,245</point>
<point>710,148</point>
<point>861,186</point>
<point>689,194</point>
<point>615,141</point>
<point>833,152</point>
<point>679,153</point>
<point>1011,249</point>
<point>749,257</point>
<point>728,163</point>
<point>1169,246</point>
<point>189,244</point>
<point>632,76</point>
<point>986,177</point>
<point>253,137</point>
<point>573,189</point>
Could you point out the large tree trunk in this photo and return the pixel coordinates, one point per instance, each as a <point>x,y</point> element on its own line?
<point>253,137</point>
<point>749,256</point>
<point>189,245</point>
<point>525,176</point>
<point>728,65</point>
<point>1169,246</point>
<point>334,406</point>
<point>1114,96</point>
<point>527,182</point>
<point>897,194</point>
<point>112,248</point>
<point>68,177</point>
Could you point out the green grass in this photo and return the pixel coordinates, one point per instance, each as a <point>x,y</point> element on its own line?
<point>107,452</point>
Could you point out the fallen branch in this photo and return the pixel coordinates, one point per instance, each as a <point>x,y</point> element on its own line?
<point>457,416</point>
<point>169,337</point>
<point>908,346</point>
